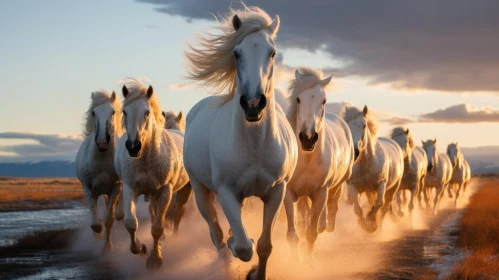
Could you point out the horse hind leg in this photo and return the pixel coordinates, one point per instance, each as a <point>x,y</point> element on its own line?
<point>400,202</point>
<point>155,260</point>
<point>119,214</point>
<point>353,195</point>
<point>371,223</point>
<point>449,189</point>
<point>96,224</point>
<point>131,224</point>
<point>272,202</point>
<point>111,206</point>
<point>205,202</point>
<point>333,198</point>
<point>181,199</point>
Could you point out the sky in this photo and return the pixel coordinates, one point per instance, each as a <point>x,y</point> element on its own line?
<point>432,67</point>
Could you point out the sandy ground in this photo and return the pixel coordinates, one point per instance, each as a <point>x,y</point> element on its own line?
<point>400,250</point>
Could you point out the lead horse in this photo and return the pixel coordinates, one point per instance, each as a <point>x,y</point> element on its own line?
<point>378,167</point>
<point>325,156</point>
<point>95,159</point>
<point>239,144</point>
<point>149,161</point>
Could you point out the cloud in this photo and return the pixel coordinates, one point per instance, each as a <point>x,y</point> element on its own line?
<point>438,45</point>
<point>179,86</point>
<point>45,147</point>
<point>462,113</point>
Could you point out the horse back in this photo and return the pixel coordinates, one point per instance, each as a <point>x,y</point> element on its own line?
<point>394,158</point>
<point>445,166</point>
<point>339,147</point>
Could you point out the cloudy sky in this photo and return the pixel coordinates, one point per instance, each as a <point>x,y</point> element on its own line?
<point>431,66</point>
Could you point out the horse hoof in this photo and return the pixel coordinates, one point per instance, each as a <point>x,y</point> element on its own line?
<point>154,263</point>
<point>119,217</point>
<point>252,271</point>
<point>97,228</point>
<point>370,227</point>
<point>98,235</point>
<point>400,214</point>
<point>330,227</point>
<point>143,249</point>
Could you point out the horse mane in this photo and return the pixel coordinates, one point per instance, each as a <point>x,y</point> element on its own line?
<point>212,62</point>
<point>352,112</point>
<point>171,121</point>
<point>309,77</point>
<point>136,91</point>
<point>100,97</point>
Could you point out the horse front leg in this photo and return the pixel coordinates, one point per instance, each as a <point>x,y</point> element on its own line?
<point>111,206</point>
<point>438,196</point>
<point>155,260</point>
<point>319,199</point>
<point>290,207</point>
<point>239,243</point>
<point>371,223</point>
<point>398,199</point>
<point>458,192</point>
<point>272,202</point>
<point>353,196</point>
<point>96,223</point>
<point>131,224</point>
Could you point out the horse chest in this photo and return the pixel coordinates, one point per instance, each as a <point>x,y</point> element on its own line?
<point>307,178</point>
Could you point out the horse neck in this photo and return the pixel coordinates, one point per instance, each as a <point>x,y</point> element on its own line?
<point>367,156</point>
<point>258,132</point>
<point>408,157</point>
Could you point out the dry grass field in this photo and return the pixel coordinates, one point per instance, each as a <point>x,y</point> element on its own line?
<point>479,235</point>
<point>37,193</point>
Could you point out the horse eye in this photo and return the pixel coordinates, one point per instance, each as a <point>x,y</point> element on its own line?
<point>298,99</point>
<point>112,114</point>
<point>324,102</point>
<point>147,113</point>
<point>272,54</point>
<point>124,113</point>
<point>236,54</point>
<point>93,114</point>
<point>364,126</point>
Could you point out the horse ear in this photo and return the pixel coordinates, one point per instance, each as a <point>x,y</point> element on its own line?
<point>113,96</point>
<point>422,142</point>
<point>274,27</point>
<point>435,141</point>
<point>407,132</point>
<point>236,22</point>
<point>297,74</point>
<point>124,90</point>
<point>164,114</point>
<point>180,115</point>
<point>326,81</point>
<point>365,110</point>
<point>92,95</point>
<point>150,91</point>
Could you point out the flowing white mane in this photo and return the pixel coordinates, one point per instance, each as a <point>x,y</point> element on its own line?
<point>351,113</point>
<point>98,98</point>
<point>138,91</point>
<point>212,62</point>
<point>309,77</point>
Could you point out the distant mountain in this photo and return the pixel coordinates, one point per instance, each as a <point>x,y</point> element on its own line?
<point>483,160</point>
<point>38,169</point>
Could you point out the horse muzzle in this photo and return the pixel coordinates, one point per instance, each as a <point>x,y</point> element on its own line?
<point>308,144</point>
<point>133,147</point>
<point>253,107</point>
<point>102,146</point>
<point>430,167</point>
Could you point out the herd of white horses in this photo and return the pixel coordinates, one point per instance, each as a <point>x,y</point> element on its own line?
<point>245,143</point>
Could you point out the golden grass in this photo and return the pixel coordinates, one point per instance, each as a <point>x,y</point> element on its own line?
<point>37,193</point>
<point>479,235</point>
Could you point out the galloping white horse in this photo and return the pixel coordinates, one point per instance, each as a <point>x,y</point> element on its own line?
<point>438,175</point>
<point>325,156</point>
<point>174,121</point>
<point>94,160</point>
<point>239,144</point>
<point>415,165</point>
<point>461,172</point>
<point>148,161</point>
<point>378,168</point>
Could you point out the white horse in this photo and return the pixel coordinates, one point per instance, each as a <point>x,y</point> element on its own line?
<point>325,157</point>
<point>148,161</point>
<point>239,144</point>
<point>461,172</point>
<point>94,160</point>
<point>378,168</point>
<point>174,121</point>
<point>438,175</point>
<point>415,166</point>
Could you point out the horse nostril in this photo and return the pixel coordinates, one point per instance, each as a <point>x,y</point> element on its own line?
<point>263,102</point>
<point>315,137</point>
<point>301,136</point>
<point>357,153</point>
